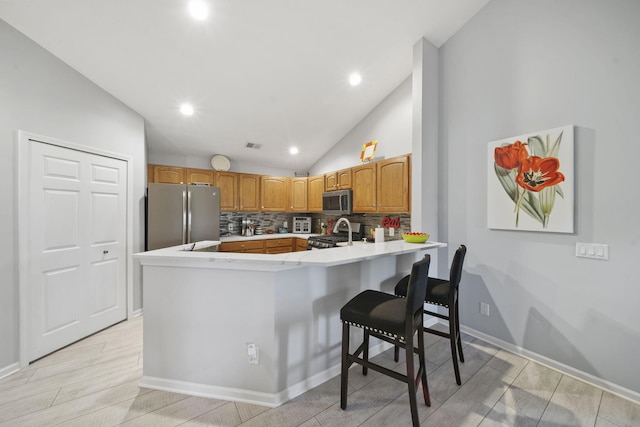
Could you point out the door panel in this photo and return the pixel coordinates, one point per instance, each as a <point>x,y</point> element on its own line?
<point>104,228</point>
<point>60,222</point>
<point>106,243</point>
<point>77,264</point>
<point>103,280</point>
<point>60,293</point>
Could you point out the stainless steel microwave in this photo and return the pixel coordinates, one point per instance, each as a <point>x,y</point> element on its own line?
<point>337,202</point>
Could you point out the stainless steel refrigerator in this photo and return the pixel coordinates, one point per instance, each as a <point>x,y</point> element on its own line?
<point>178,214</point>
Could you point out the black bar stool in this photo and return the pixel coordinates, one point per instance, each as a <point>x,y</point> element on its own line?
<point>443,293</point>
<point>392,319</point>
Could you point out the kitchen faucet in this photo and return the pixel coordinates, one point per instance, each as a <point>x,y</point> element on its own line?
<point>341,220</point>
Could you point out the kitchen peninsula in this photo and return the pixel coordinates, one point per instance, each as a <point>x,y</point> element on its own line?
<point>204,310</point>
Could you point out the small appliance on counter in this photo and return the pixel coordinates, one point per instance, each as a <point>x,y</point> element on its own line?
<point>302,224</point>
<point>246,227</point>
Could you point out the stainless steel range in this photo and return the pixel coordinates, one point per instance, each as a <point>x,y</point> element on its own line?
<point>340,234</point>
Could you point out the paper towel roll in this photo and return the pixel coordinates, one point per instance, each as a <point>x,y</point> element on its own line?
<point>379,235</point>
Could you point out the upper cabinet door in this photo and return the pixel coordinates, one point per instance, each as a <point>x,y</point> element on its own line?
<point>394,184</point>
<point>316,188</point>
<point>274,194</point>
<point>364,188</point>
<point>299,195</point>
<point>249,192</point>
<point>168,174</point>
<point>343,177</point>
<point>199,176</point>
<point>228,184</point>
<point>331,181</point>
<point>339,180</point>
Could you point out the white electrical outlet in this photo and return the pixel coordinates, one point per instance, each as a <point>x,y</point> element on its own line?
<point>484,308</point>
<point>254,354</point>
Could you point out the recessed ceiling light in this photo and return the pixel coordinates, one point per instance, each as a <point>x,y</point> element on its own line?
<point>355,79</point>
<point>293,150</point>
<point>186,109</point>
<point>198,10</point>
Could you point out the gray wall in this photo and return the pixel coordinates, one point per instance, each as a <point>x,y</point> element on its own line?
<point>389,123</point>
<point>522,66</point>
<point>40,94</point>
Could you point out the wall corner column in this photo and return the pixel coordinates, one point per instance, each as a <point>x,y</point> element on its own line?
<point>425,173</point>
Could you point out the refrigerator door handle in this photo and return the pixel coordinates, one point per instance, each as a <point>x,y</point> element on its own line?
<point>188,216</point>
<point>184,217</point>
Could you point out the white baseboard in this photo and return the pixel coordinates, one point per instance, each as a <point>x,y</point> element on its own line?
<point>8,370</point>
<point>136,313</point>
<point>209,391</point>
<point>555,365</point>
<point>271,400</point>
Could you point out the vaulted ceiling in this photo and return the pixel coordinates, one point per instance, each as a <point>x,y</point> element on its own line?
<point>269,72</point>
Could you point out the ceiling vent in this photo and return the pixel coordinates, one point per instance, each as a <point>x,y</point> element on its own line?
<point>253,145</point>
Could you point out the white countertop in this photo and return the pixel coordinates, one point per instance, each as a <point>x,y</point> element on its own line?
<point>178,256</point>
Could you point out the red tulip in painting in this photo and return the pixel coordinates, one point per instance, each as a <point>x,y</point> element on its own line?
<point>530,174</point>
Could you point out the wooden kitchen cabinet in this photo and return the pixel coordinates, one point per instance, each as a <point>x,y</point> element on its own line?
<point>382,186</point>
<point>248,192</point>
<point>315,189</point>
<point>365,188</point>
<point>278,246</point>
<point>301,245</point>
<point>228,184</point>
<point>393,184</point>
<point>265,246</point>
<point>274,194</point>
<point>247,246</point>
<point>199,176</point>
<point>178,175</point>
<point>340,180</point>
<point>169,174</point>
<point>298,195</point>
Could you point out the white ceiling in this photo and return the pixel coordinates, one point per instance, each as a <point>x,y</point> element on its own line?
<point>271,72</point>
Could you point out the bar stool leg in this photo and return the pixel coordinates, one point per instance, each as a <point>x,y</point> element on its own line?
<point>344,375</point>
<point>423,363</point>
<point>459,338</point>
<point>454,344</point>
<point>411,380</point>
<point>365,351</point>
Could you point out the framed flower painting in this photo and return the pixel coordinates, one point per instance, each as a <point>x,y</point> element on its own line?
<point>530,182</point>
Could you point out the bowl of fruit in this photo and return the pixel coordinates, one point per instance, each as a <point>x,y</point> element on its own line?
<point>415,237</point>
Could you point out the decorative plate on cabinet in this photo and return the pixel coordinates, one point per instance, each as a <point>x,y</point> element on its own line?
<point>220,162</point>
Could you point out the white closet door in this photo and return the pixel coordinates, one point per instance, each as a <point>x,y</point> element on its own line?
<point>77,245</point>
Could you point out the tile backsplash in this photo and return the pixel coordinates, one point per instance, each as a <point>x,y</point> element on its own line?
<point>273,221</point>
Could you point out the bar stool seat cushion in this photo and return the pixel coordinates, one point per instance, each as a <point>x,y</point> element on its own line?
<point>378,311</point>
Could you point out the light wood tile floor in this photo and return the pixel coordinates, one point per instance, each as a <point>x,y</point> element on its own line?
<point>94,383</point>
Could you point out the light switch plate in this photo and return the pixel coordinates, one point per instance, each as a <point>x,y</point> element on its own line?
<point>592,250</point>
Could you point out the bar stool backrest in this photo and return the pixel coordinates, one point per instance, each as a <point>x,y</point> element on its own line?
<point>417,288</point>
<point>456,268</point>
